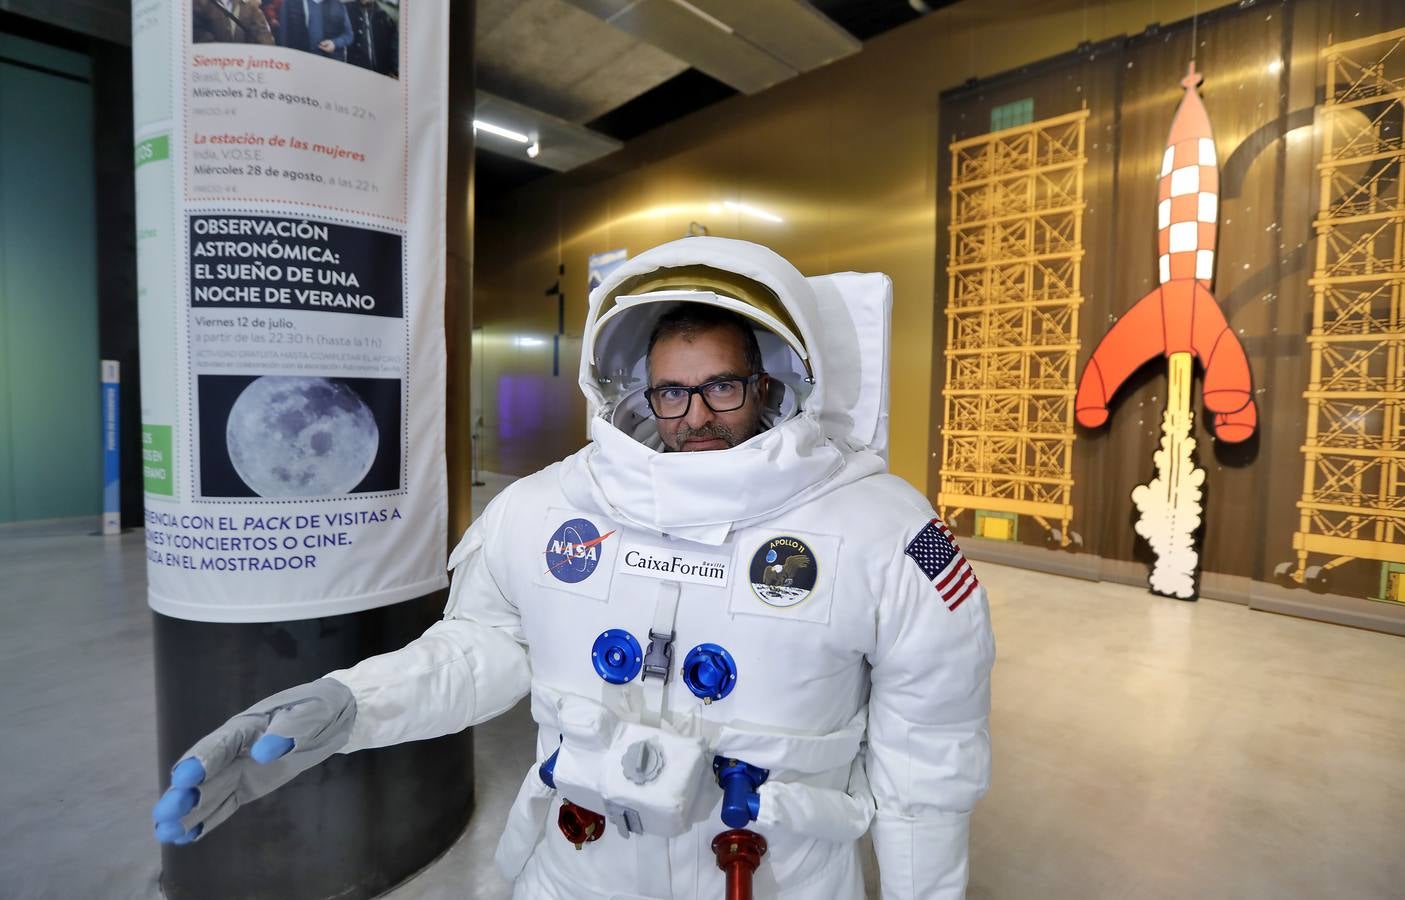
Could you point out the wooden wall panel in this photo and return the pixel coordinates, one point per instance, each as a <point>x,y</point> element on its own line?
<point>1264,85</point>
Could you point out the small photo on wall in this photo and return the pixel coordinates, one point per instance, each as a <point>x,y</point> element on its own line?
<point>286,436</point>
<point>365,33</point>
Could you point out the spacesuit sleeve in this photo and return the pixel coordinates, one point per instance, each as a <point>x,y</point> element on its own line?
<point>465,669</point>
<point>928,757</point>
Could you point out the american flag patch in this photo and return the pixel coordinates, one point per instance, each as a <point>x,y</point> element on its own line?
<point>936,554</point>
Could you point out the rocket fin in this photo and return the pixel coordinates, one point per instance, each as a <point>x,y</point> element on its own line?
<point>1228,385</point>
<point>1238,425</point>
<point>1136,337</point>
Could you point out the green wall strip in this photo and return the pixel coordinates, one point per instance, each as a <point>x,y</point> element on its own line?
<point>50,435</point>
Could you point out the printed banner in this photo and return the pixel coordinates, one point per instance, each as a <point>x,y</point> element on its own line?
<point>290,168</point>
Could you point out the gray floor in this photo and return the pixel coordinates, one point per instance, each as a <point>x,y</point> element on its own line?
<point>1145,748</point>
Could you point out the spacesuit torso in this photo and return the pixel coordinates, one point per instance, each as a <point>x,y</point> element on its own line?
<point>773,608</point>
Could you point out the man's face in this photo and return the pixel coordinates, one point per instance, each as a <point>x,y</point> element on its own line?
<point>718,353</point>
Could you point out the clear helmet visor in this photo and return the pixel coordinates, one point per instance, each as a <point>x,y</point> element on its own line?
<point>618,344</point>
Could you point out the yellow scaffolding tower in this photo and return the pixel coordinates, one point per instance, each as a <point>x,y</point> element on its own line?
<point>1353,502</point>
<point>1013,291</point>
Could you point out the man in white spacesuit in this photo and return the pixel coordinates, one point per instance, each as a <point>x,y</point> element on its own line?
<point>774,635</point>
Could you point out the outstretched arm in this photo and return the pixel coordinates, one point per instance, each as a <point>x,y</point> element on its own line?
<point>465,669</point>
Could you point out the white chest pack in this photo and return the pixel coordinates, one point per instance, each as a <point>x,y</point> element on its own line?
<point>641,778</point>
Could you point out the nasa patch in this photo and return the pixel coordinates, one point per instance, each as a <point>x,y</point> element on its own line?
<point>783,572</point>
<point>573,551</point>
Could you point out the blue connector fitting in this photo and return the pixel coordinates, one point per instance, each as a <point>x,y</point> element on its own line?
<point>616,656</point>
<point>741,804</point>
<point>547,770</point>
<point>710,672</point>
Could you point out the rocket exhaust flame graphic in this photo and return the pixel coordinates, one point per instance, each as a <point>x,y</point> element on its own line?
<point>1181,320</point>
<point>1170,504</point>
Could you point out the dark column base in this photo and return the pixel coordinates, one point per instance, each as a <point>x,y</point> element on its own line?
<point>350,828</point>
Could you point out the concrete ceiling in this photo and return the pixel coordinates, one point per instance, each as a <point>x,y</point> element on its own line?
<point>623,67</point>
<point>551,56</point>
<point>747,44</point>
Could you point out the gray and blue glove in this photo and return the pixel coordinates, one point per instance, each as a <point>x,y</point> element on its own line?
<point>262,748</point>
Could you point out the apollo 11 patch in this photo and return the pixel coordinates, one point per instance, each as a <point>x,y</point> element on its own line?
<point>783,571</point>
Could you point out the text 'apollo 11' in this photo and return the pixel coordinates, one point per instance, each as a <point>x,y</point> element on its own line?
<point>936,554</point>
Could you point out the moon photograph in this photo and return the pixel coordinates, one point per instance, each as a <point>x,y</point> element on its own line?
<point>298,436</point>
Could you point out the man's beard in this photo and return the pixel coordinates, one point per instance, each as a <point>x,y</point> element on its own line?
<point>705,433</point>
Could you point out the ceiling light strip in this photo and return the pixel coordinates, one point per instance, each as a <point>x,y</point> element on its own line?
<point>519,137</point>
<point>705,16</point>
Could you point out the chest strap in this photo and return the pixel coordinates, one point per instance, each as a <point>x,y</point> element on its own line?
<point>658,657</point>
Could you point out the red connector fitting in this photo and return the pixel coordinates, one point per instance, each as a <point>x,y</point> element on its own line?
<point>739,852</point>
<point>578,824</point>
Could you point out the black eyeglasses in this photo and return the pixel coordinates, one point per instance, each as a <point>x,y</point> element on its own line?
<point>722,395</point>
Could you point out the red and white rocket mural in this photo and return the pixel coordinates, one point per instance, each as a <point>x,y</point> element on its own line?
<point>1181,320</point>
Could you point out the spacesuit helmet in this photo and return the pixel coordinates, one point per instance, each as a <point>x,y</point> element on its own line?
<point>754,283</point>
<point>824,339</point>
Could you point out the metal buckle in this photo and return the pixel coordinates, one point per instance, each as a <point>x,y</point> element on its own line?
<point>624,818</point>
<point>658,657</point>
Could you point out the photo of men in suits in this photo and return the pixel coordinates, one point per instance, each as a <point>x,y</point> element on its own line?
<point>365,33</point>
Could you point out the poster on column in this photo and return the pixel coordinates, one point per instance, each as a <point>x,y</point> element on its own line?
<point>291,177</point>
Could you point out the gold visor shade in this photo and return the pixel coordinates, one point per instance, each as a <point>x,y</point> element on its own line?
<point>748,291</point>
